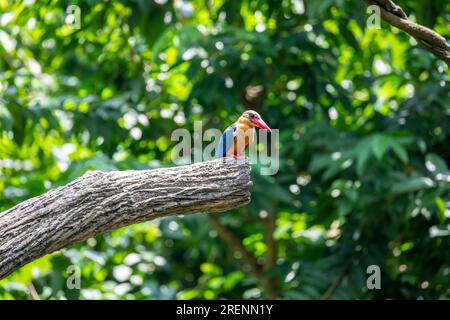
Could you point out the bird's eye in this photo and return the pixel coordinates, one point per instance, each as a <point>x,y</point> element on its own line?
<point>252,115</point>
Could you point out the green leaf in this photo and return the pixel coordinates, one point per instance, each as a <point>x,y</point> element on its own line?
<point>440,204</point>
<point>435,164</point>
<point>413,184</point>
<point>363,156</point>
<point>399,150</point>
<point>332,170</point>
<point>188,294</point>
<point>379,145</point>
<point>319,162</point>
<point>232,280</point>
<point>6,119</point>
<point>282,231</point>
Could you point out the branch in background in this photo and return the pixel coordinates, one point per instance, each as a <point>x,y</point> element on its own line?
<point>272,249</point>
<point>235,244</point>
<point>390,6</point>
<point>103,201</point>
<point>32,291</point>
<point>428,38</point>
<point>337,281</point>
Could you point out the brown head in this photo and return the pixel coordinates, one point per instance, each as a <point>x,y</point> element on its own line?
<point>253,119</point>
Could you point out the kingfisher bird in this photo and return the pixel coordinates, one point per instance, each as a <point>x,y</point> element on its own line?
<point>237,137</point>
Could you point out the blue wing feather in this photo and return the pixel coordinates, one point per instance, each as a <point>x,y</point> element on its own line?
<point>226,141</point>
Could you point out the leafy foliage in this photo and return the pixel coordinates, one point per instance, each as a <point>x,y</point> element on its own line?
<point>364,129</point>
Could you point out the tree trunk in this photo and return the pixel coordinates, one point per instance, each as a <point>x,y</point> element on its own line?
<point>102,201</point>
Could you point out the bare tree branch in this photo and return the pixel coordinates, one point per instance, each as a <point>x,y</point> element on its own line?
<point>337,281</point>
<point>272,247</point>
<point>272,250</point>
<point>428,38</point>
<point>256,270</point>
<point>102,201</point>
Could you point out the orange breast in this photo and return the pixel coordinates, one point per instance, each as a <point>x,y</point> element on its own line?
<point>243,136</point>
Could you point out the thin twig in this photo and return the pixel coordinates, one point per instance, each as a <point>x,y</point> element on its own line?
<point>32,291</point>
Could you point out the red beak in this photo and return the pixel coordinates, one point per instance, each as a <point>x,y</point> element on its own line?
<point>261,124</point>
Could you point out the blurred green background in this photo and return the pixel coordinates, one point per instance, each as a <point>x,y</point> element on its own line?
<point>364,127</point>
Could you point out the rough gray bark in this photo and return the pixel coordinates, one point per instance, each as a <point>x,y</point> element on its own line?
<point>102,201</point>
